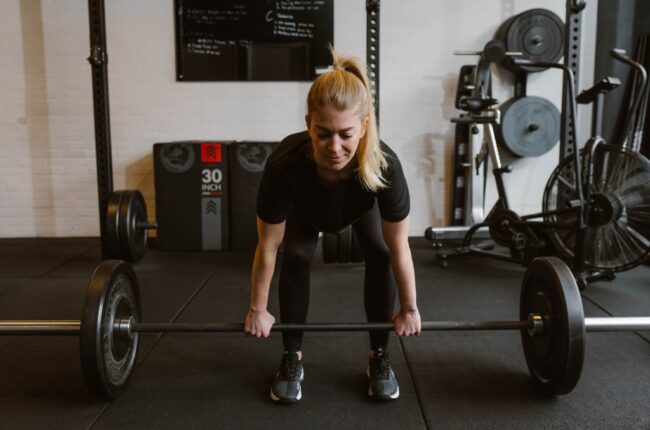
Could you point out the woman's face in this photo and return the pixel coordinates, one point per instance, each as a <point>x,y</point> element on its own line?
<point>335,137</point>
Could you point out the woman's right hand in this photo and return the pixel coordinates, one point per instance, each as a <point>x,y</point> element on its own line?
<point>258,323</point>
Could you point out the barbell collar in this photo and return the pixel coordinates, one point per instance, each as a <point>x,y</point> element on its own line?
<point>35,328</point>
<point>617,324</point>
<point>535,325</point>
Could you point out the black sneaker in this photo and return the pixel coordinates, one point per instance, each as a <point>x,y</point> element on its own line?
<point>285,387</point>
<point>383,384</point>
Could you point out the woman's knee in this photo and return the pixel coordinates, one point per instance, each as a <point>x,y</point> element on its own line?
<point>377,255</point>
<point>297,257</point>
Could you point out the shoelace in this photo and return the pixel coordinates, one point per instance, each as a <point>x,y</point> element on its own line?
<point>290,367</point>
<point>380,364</point>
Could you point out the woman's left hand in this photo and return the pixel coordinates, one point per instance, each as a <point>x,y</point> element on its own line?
<point>407,322</point>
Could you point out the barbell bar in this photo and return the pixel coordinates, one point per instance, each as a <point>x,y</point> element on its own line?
<point>128,326</point>
<point>552,327</point>
<point>534,325</point>
<point>37,328</point>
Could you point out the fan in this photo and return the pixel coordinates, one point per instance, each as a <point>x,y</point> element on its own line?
<point>617,237</point>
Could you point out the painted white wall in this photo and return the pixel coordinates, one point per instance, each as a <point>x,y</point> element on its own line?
<point>47,161</point>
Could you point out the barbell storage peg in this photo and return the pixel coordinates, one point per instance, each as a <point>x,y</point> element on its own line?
<point>147,225</point>
<point>468,52</point>
<point>508,53</point>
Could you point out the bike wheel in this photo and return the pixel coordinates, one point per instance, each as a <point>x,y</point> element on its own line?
<point>618,232</point>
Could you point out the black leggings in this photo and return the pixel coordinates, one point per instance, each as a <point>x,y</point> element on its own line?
<point>379,286</point>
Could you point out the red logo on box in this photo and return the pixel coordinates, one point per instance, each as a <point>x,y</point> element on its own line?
<point>211,152</point>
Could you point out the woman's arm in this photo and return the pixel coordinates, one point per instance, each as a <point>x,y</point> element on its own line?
<point>407,320</point>
<point>258,320</point>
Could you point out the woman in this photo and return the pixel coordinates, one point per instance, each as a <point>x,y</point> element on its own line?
<point>335,174</point>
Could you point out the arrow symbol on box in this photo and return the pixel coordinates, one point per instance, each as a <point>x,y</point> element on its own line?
<point>211,207</point>
<point>211,152</point>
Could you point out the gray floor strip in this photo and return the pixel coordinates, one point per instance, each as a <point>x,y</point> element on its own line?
<point>69,260</point>
<point>415,384</point>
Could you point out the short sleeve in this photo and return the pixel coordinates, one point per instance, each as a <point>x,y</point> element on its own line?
<point>394,200</point>
<point>273,196</point>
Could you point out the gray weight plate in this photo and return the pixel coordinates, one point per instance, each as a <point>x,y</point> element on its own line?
<point>530,126</point>
<point>537,33</point>
<point>554,358</point>
<point>108,356</point>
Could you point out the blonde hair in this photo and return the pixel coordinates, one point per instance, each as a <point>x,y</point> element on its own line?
<point>346,86</point>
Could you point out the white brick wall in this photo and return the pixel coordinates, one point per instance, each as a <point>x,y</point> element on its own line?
<point>47,164</point>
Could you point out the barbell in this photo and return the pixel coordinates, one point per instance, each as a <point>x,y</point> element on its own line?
<point>552,326</point>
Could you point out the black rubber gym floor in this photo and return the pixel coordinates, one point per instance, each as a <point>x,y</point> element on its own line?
<point>448,380</point>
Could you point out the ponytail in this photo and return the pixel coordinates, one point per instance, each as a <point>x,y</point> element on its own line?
<point>344,87</point>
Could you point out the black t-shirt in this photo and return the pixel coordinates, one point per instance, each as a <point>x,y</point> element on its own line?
<point>290,180</point>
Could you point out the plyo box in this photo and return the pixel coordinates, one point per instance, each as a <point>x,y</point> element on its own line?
<point>192,195</point>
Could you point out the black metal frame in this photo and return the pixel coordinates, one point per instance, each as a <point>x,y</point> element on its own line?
<point>483,114</point>
<point>480,112</point>
<point>572,27</point>
<point>568,148</point>
<point>98,60</point>
<point>372,50</point>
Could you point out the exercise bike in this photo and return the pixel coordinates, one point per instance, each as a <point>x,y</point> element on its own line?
<point>577,207</point>
<point>616,183</point>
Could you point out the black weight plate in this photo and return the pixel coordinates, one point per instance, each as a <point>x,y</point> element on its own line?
<point>133,240</point>
<point>501,227</point>
<point>107,356</point>
<point>330,248</point>
<point>356,252</point>
<point>530,126</point>
<point>114,248</point>
<point>538,34</point>
<point>554,358</point>
<point>345,245</point>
